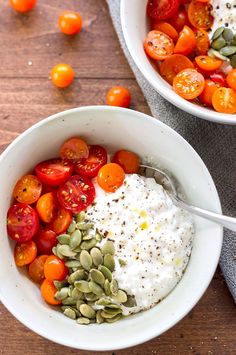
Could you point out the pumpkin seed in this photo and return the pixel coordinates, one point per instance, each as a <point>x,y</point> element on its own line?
<point>82,286</point>
<point>86,260</point>
<point>108,248</point>
<point>107,315</point>
<point>113,311</point>
<point>98,237</point>
<point>88,237</point>
<point>95,288</point>
<point>80,217</point>
<point>97,276</point>
<point>84,226</point>
<point>77,275</point>
<point>62,294</point>
<point>57,252</point>
<point>218,32</point>
<point>65,250</point>
<point>121,297</point>
<point>78,303</point>
<point>70,289</point>
<point>228,51</point>
<point>71,227</point>
<point>106,272</point>
<point>75,239</point>
<point>59,284</point>
<point>96,256</point>
<point>228,34</point>
<point>69,301</point>
<point>54,250</point>
<point>76,294</point>
<point>102,302</point>
<point>99,318</point>
<point>83,320</point>
<point>91,297</point>
<point>114,287</point>
<point>88,244</point>
<point>87,311</point>
<point>215,54</point>
<point>109,262</point>
<point>131,302</point>
<point>63,238</point>
<point>114,319</point>
<point>233,61</point>
<point>218,43</point>
<point>107,288</point>
<point>73,263</point>
<point>70,313</point>
<point>113,305</point>
<point>122,262</point>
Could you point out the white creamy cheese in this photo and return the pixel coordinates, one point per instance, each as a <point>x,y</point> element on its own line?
<point>224,13</point>
<point>151,235</point>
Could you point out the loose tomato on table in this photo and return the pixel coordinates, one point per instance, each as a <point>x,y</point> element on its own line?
<point>89,167</point>
<point>186,42</point>
<point>166,28</point>
<point>61,221</point>
<point>158,45</point>
<point>55,269</point>
<point>202,42</point>
<point>199,14</point>
<point>27,189</point>
<point>36,269</point>
<point>25,253</point>
<point>180,19</point>
<point>74,149</point>
<point>22,222</point>
<point>118,96</point>
<point>129,161</point>
<point>54,172</point>
<point>207,63</point>
<point>231,79</point>
<point>171,66</point>
<point>45,240</point>
<point>110,177</point>
<point>224,100</point>
<point>76,194</point>
<point>46,206</point>
<point>48,291</point>
<point>189,84</point>
<point>207,94</point>
<point>62,75</point>
<point>23,5</point>
<point>162,9</point>
<point>70,22</point>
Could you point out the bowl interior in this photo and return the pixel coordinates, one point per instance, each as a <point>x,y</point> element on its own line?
<point>149,138</point>
<point>135,27</point>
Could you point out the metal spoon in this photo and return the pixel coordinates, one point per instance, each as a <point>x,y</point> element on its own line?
<point>170,185</point>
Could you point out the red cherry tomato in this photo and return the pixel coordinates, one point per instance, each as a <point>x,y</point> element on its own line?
<point>186,42</point>
<point>55,269</point>
<point>22,5</point>
<point>129,161</point>
<point>207,94</point>
<point>110,177</point>
<point>61,221</point>
<point>45,240</point>
<point>36,269</point>
<point>48,291</point>
<point>162,9</point>
<point>218,78</point>
<point>118,96</point>
<point>25,253</point>
<point>158,45</point>
<point>74,149</point>
<point>70,22</point>
<point>27,189</point>
<point>89,167</point>
<point>22,222</point>
<point>76,194</point>
<point>179,20</point>
<point>171,66</point>
<point>46,207</point>
<point>53,172</point>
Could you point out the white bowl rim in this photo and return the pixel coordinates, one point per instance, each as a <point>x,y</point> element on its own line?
<point>206,282</point>
<point>195,110</point>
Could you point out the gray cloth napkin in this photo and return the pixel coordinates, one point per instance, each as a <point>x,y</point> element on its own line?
<point>215,143</point>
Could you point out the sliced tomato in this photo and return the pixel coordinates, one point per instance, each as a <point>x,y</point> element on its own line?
<point>74,149</point>
<point>89,167</point>
<point>25,253</point>
<point>36,269</point>
<point>158,45</point>
<point>46,206</point>
<point>207,63</point>
<point>61,221</point>
<point>53,172</point>
<point>224,100</point>
<point>199,14</point>
<point>218,78</point>
<point>189,84</point>
<point>48,291</point>
<point>231,79</point>
<point>110,177</point>
<point>180,19</point>
<point>166,28</point>
<point>186,42</point>
<point>22,222</point>
<point>207,94</point>
<point>162,9</point>
<point>171,66</point>
<point>76,194</point>
<point>27,189</point>
<point>45,240</point>
<point>202,42</point>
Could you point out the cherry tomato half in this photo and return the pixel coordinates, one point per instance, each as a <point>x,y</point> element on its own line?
<point>118,96</point>
<point>189,84</point>
<point>179,20</point>
<point>27,189</point>
<point>36,269</point>
<point>166,28</point>
<point>207,63</point>
<point>171,66</point>
<point>110,177</point>
<point>89,167</point>
<point>224,100</point>
<point>25,253</point>
<point>54,172</point>
<point>74,149</point>
<point>199,14</point>
<point>22,222</point>
<point>22,5</point>
<point>61,221</point>
<point>70,22</point>
<point>202,42</point>
<point>129,161</point>
<point>207,94</point>
<point>162,9</point>
<point>76,194</point>
<point>62,75</point>
<point>45,240</point>
<point>231,79</point>
<point>186,42</point>
<point>48,291</point>
<point>158,45</point>
<point>46,207</point>
<point>55,269</point>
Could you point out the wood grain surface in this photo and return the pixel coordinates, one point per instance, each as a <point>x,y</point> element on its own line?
<point>30,45</point>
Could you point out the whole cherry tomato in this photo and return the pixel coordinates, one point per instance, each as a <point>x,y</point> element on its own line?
<point>118,96</point>
<point>110,177</point>
<point>62,75</point>
<point>70,22</point>
<point>129,161</point>
<point>55,269</point>
<point>22,5</point>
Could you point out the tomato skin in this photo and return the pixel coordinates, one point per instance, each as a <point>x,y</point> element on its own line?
<point>55,269</point>
<point>162,9</point>
<point>231,79</point>
<point>22,222</point>
<point>207,63</point>
<point>207,94</point>
<point>61,221</point>
<point>118,96</point>
<point>129,161</point>
<point>179,20</point>
<point>186,42</point>
<point>46,207</point>
<point>22,5</point>
<point>171,66</point>
<point>224,100</point>
<point>54,172</point>
<point>25,253</point>
<point>48,291</point>
<point>70,22</point>
<point>218,78</point>
<point>89,167</point>
<point>74,149</point>
<point>199,14</point>
<point>36,269</point>
<point>158,45</point>
<point>110,177</point>
<point>62,75</point>
<point>27,189</point>
<point>189,84</point>
<point>166,28</point>
<point>202,42</point>
<point>45,240</point>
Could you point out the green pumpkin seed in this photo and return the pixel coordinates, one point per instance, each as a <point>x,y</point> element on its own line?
<point>108,248</point>
<point>78,303</point>
<point>87,311</point>
<point>63,238</point>
<point>86,260</point>
<point>71,227</point>
<point>228,51</point>
<point>63,308</point>
<point>121,297</point>
<point>71,288</point>
<point>95,288</point>
<point>73,263</point>
<point>80,217</point>
<point>57,252</point>
<point>102,302</point>
<point>88,236</point>
<point>96,256</point>
<point>113,305</point>
<point>233,61</point>
<point>88,244</point>
<point>83,321</point>
<point>107,315</point>
<point>77,275</point>
<point>112,311</point>
<point>69,301</point>
<point>114,319</point>
<point>109,262</point>
<point>107,288</point>
<point>106,272</point>
<point>99,318</point>
<point>122,262</point>
<point>70,313</point>
<point>218,32</point>
<point>83,226</point>
<point>97,276</point>
<point>76,294</point>
<point>65,250</point>
<point>228,34</point>
<point>98,237</point>
<point>131,302</point>
<point>218,43</point>
<point>215,54</point>
<point>75,239</point>
<point>114,287</point>
<point>91,297</point>
<point>62,294</point>
<point>59,284</point>
<point>82,286</point>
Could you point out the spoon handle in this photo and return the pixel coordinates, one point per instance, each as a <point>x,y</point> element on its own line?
<point>225,221</point>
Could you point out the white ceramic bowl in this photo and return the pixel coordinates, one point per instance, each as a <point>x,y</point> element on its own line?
<point>114,128</point>
<point>135,28</point>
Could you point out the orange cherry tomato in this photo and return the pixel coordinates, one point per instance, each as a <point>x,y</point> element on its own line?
<point>70,22</point>
<point>55,269</point>
<point>62,75</point>
<point>186,42</point>
<point>61,221</point>
<point>36,269</point>
<point>171,66</point>
<point>202,42</point>
<point>179,20</point>
<point>209,89</point>
<point>129,161</point>
<point>22,5</point>
<point>110,177</point>
<point>74,149</point>
<point>118,96</point>
<point>224,100</point>
<point>158,45</point>
<point>189,84</point>
<point>166,28</point>
<point>199,14</point>
<point>25,253</point>
<point>27,189</point>
<point>48,291</point>
<point>207,63</point>
<point>231,79</point>
<point>46,207</point>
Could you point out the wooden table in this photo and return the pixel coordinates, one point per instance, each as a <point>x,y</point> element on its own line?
<point>30,46</point>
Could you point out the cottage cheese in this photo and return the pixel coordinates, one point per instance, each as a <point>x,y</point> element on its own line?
<point>224,13</point>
